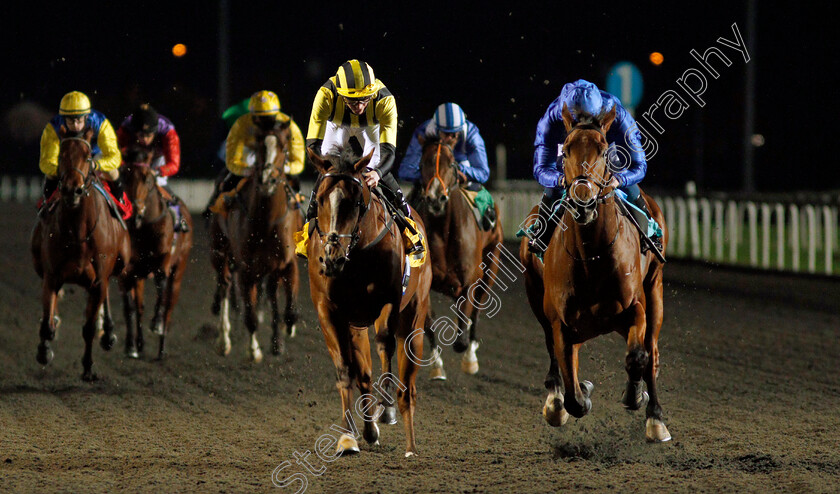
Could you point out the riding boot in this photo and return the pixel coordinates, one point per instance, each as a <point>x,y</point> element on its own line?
<point>50,184</point>
<point>539,242</point>
<point>312,208</point>
<point>221,179</point>
<point>656,238</point>
<point>227,185</point>
<point>390,184</point>
<point>118,190</point>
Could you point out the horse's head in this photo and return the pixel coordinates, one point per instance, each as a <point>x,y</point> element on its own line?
<point>139,179</point>
<point>585,171</point>
<point>75,165</point>
<point>439,174</point>
<point>342,198</point>
<point>272,152</point>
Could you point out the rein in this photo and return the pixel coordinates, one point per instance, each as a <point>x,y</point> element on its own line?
<point>89,178</point>
<point>437,175</point>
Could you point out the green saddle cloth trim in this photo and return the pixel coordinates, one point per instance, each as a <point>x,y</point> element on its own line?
<point>483,201</point>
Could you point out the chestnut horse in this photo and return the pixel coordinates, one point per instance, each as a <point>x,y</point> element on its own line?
<point>156,250</point>
<point>356,266</point>
<point>79,242</point>
<point>462,252</point>
<point>256,240</point>
<point>595,281</point>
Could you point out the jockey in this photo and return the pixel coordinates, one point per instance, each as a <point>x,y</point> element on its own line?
<point>453,129</point>
<point>145,131</point>
<point>584,98</point>
<point>354,103</point>
<point>263,114</point>
<point>76,116</point>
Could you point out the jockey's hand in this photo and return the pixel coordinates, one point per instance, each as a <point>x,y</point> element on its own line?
<point>462,178</point>
<point>372,178</point>
<point>614,183</point>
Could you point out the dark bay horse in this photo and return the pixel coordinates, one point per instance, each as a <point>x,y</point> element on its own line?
<point>156,250</point>
<point>595,281</point>
<point>79,242</point>
<point>256,240</point>
<point>356,266</point>
<point>462,252</point>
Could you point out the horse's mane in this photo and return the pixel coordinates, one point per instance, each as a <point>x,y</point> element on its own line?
<point>345,162</point>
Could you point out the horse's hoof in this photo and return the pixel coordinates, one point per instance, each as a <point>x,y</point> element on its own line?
<point>89,377</point>
<point>554,412</point>
<point>469,366</point>
<point>256,355</point>
<point>107,341</point>
<point>655,431</point>
<point>132,353</point>
<point>373,436</point>
<point>277,348</point>
<point>346,446</point>
<point>388,415</point>
<point>291,330</point>
<point>437,374</point>
<point>410,454</point>
<point>45,354</point>
<point>223,347</point>
<point>157,329</point>
<point>586,387</point>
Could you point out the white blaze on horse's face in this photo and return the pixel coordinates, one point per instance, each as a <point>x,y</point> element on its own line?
<point>336,196</point>
<point>270,144</point>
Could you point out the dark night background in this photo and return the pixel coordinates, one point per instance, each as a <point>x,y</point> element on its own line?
<point>503,65</point>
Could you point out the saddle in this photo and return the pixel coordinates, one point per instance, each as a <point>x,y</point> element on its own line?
<point>482,206</point>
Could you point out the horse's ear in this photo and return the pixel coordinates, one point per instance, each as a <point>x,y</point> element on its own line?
<point>319,163</point>
<point>567,118</point>
<point>421,139</point>
<point>608,120</point>
<point>62,131</point>
<point>362,163</point>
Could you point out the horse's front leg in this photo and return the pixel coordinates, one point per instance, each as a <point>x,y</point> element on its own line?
<point>96,297</point>
<point>109,337</point>
<point>277,339</point>
<point>655,429</point>
<point>361,368</point>
<point>250,288</point>
<point>291,283</point>
<point>576,394</point>
<point>409,354</point>
<point>436,373</point>
<point>385,346</point>
<point>221,301</point>
<point>337,337</point>
<point>637,357</point>
<point>128,287</point>
<point>173,293</point>
<point>162,302</point>
<point>49,319</point>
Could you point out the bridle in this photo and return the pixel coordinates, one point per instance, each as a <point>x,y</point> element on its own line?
<point>139,212</point>
<point>363,206</point>
<point>602,194</point>
<point>437,176</point>
<point>87,178</point>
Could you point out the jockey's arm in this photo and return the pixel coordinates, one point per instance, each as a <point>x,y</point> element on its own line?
<point>171,154</point>
<point>410,164</point>
<point>550,133</point>
<point>625,133</point>
<point>297,151</point>
<point>111,157</point>
<point>321,110</point>
<point>48,162</point>
<point>476,169</point>
<point>235,146</point>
